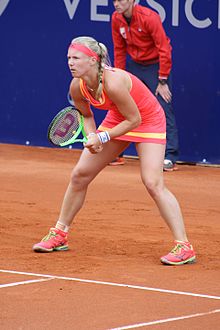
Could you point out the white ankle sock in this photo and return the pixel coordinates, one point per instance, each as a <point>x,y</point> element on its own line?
<point>62,226</point>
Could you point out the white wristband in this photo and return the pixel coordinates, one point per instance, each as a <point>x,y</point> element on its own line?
<point>104,137</point>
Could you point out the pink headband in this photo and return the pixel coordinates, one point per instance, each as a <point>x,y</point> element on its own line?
<point>85,50</point>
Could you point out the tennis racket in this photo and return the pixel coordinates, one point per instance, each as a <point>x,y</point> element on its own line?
<point>66,127</point>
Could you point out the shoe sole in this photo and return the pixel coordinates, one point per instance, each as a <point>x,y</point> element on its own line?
<point>170,169</point>
<point>116,164</point>
<point>188,261</point>
<point>41,249</point>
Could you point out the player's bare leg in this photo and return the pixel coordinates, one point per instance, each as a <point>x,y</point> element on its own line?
<point>151,163</point>
<point>88,166</point>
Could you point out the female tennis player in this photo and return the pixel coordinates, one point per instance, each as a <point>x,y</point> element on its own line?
<point>134,115</point>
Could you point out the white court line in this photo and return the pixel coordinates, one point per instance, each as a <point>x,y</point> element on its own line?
<point>24,282</point>
<point>165,320</point>
<point>113,284</point>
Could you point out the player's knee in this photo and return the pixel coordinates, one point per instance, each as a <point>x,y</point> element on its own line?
<point>153,186</point>
<point>79,179</point>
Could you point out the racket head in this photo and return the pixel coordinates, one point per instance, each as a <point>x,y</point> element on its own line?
<point>65,127</point>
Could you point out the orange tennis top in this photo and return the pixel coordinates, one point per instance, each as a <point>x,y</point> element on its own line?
<point>153,125</point>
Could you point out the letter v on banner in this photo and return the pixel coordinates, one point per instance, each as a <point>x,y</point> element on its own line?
<point>71,7</point>
<point>3,5</point>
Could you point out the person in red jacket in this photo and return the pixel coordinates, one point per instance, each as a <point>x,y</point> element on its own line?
<point>137,31</point>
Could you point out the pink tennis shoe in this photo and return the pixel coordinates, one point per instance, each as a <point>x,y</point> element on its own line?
<point>56,240</point>
<point>182,253</point>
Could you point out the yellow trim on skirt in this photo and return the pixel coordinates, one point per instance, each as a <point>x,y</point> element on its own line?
<point>139,134</point>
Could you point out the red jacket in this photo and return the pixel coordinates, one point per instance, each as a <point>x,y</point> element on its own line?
<point>144,40</point>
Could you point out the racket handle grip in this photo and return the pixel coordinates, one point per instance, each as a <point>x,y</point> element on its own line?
<point>90,134</point>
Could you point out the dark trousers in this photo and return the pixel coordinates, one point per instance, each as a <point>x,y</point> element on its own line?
<point>149,75</point>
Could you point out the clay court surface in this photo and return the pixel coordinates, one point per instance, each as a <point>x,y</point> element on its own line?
<point>111,278</point>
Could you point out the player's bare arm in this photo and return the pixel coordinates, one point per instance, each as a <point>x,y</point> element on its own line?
<point>118,84</point>
<point>83,106</point>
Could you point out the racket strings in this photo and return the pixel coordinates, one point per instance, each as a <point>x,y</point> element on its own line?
<point>65,126</point>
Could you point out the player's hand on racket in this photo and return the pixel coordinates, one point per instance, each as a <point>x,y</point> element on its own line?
<point>93,143</point>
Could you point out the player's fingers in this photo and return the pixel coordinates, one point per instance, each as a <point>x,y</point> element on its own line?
<point>99,149</point>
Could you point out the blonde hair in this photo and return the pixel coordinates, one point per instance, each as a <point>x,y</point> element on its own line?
<point>101,50</point>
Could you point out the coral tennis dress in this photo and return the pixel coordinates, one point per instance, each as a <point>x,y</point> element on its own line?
<point>153,125</point>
